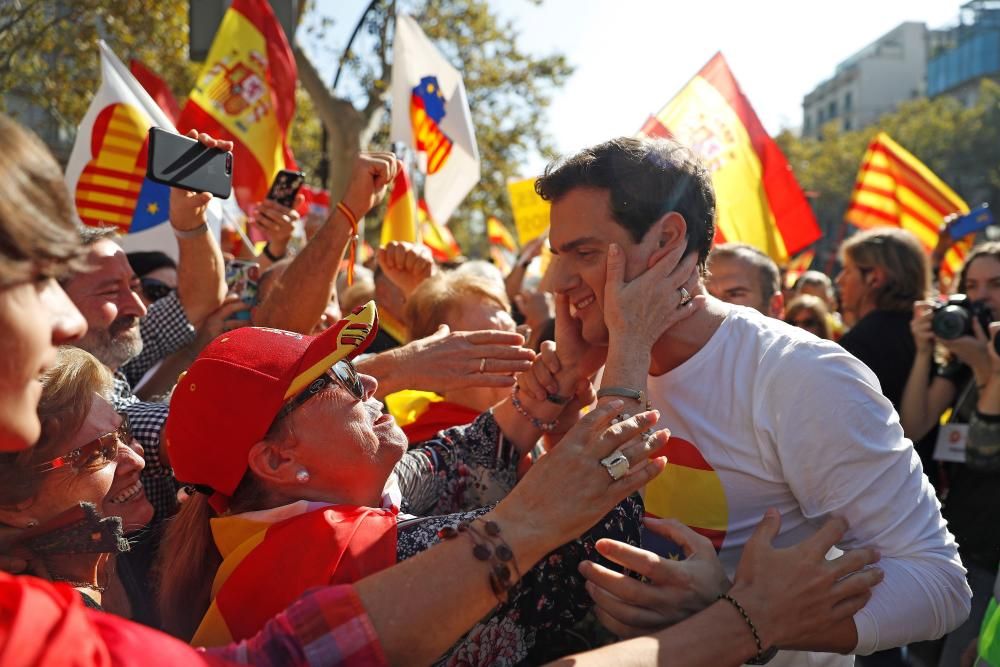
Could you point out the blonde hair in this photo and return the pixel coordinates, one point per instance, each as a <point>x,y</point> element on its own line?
<point>68,389</point>
<point>812,304</point>
<point>900,256</point>
<point>433,302</point>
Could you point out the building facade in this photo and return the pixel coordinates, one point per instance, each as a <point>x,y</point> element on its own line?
<point>872,82</point>
<point>967,54</point>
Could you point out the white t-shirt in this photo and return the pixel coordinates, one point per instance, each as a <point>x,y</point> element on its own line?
<point>767,415</point>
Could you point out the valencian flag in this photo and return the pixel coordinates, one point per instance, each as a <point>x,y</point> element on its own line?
<point>246,93</point>
<point>106,172</point>
<point>758,200</point>
<point>430,114</point>
<point>157,89</point>
<point>896,189</point>
<point>400,222</point>
<point>437,237</point>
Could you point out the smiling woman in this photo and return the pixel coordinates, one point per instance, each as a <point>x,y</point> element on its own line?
<point>85,454</point>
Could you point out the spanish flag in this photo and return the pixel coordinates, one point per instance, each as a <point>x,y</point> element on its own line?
<point>246,93</point>
<point>896,189</point>
<point>758,200</point>
<point>499,235</point>
<point>272,557</point>
<point>436,236</point>
<point>400,223</point>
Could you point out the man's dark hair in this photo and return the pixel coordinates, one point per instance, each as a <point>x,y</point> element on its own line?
<point>645,180</point>
<point>768,274</point>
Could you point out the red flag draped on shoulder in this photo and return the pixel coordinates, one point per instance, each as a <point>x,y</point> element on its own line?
<point>758,200</point>
<point>896,189</point>
<point>246,93</point>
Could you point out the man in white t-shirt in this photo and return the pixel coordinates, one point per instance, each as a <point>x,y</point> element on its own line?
<point>762,414</point>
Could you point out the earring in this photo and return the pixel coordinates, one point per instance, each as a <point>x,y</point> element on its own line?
<point>31,523</point>
<point>302,476</point>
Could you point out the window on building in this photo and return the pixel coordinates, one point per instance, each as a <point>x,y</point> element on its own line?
<point>819,117</point>
<point>847,101</point>
<point>806,124</point>
<point>847,124</point>
<point>831,109</point>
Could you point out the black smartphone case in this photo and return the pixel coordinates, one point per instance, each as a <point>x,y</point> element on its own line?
<point>286,186</point>
<point>182,162</point>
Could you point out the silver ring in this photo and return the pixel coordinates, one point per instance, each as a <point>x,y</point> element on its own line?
<point>617,465</point>
<point>685,296</point>
<point>482,365</point>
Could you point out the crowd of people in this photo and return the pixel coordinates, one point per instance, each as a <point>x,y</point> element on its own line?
<point>656,454</point>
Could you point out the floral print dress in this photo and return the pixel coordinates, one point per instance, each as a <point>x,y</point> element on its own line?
<point>473,466</point>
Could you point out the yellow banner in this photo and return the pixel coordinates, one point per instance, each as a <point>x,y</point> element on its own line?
<point>531,212</point>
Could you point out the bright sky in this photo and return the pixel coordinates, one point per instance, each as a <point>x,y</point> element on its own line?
<point>632,56</point>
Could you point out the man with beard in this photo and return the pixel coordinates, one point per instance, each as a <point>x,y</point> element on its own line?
<point>130,340</point>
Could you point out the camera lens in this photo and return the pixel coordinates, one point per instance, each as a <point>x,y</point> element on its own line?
<point>229,163</point>
<point>951,322</point>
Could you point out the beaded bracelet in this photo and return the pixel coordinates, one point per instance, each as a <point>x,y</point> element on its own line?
<point>500,556</point>
<point>352,248</point>
<point>762,656</point>
<point>544,427</point>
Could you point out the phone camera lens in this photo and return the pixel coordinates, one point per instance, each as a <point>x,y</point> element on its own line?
<point>229,163</point>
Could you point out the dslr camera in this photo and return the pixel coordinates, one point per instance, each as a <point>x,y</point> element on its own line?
<point>953,318</point>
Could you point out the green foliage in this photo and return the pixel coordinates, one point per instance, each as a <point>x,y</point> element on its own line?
<point>50,57</point>
<point>509,92</point>
<point>959,144</point>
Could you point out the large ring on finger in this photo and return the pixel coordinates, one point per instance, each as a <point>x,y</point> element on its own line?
<point>685,297</point>
<point>616,465</point>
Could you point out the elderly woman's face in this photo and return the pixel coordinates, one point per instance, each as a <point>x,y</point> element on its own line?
<point>113,486</point>
<point>348,445</point>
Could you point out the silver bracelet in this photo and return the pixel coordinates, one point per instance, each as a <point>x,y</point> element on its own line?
<point>190,233</point>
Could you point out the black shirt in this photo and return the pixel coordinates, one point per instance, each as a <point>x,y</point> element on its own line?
<point>882,340</point>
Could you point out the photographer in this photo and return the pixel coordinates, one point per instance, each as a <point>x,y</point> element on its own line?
<point>967,384</point>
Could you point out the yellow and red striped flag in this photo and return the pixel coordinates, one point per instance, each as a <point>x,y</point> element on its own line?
<point>246,93</point>
<point>896,189</point>
<point>499,234</point>
<point>797,266</point>
<point>400,223</point>
<point>436,236</point>
<point>758,200</point>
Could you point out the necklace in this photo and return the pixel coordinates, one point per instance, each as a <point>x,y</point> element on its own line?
<point>80,584</point>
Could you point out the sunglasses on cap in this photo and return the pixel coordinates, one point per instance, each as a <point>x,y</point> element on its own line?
<point>343,373</point>
<point>154,289</point>
<point>97,453</point>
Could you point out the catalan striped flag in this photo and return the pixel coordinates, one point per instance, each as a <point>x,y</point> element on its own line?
<point>499,234</point>
<point>246,93</point>
<point>798,265</point>
<point>896,189</point>
<point>292,548</point>
<point>400,222</point>
<point>758,200</point>
<point>436,236</point>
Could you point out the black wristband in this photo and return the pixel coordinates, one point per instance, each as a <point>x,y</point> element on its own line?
<point>270,256</point>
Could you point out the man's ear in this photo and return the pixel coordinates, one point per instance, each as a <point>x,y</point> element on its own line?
<point>271,463</point>
<point>777,305</point>
<point>669,231</point>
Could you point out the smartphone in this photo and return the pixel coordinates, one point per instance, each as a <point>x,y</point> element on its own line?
<point>243,278</point>
<point>182,162</point>
<point>285,186</point>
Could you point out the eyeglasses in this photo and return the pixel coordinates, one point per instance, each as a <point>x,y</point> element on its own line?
<point>154,289</point>
<point>97,453</point>
<point>343,373</point>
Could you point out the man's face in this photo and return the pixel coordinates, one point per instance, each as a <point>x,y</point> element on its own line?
<point>582,227</point>
<point>735,281</point>
<point>108,297</point>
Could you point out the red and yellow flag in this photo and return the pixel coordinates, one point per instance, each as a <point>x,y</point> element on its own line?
<point>797,266</point>
<point>246,93</point>
<point>436,236</point>
<point>400,223</point>
<point>758,200</point>
<point>896,189</point>
<point>157,89</point>
<point>499,235</point>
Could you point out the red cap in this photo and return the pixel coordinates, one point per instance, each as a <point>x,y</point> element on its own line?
<point>227,400</point>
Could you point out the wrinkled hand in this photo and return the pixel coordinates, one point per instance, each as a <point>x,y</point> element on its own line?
<point>568,490</point>
<point>548,377</point>
<point>446,360</point>
<point>188,210</point>
<point>639,311</point>
<point>370,179</point>
<point>920,326</point>
<point>406,264</point>
<point>277,222</point>
<point>675,589</point>
<point>795,594</point>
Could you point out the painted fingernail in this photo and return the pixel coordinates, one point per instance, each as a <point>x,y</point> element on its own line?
<point>613,249</point>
